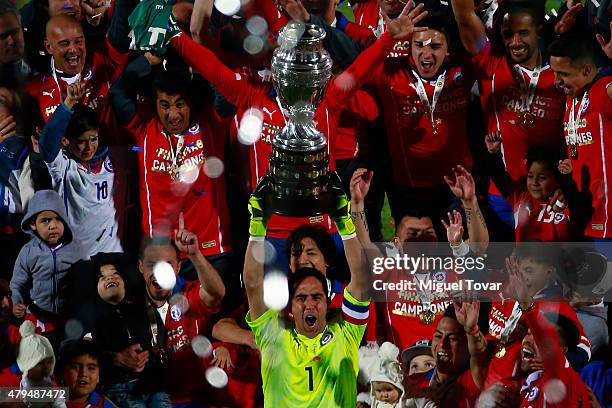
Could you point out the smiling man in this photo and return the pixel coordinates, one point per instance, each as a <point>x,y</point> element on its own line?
<point>425,113</point>
<point>580,72</point>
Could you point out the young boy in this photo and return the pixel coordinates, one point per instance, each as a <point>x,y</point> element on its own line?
<point>418,357</point>
<point>40,276</point>
<point>83,173</point>
<point>79,370</point>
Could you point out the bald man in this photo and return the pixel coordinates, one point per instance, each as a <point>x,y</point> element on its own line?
<point>95,66</point>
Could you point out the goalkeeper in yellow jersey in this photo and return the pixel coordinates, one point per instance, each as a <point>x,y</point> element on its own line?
<point>307,361</point>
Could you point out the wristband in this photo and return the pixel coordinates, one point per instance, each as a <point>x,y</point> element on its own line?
<point>460,250</point>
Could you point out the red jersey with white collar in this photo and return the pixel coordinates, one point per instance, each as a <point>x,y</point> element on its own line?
<point>557,376</point>
<point>174,179</point>
<point>420,156</point>
<point>104,65</point>
<point>592,127</point>
<point>185,320</point>
<point>502,97</point>
<point>534,222</point>
<point>240,90</point>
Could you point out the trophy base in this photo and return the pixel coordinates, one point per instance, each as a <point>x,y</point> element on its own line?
<point>300,207</point>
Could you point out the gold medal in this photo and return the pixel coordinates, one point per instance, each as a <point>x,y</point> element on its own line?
<point>427,317</point>
<point>500,350</point>
<point>527,119</point>
<point>573,151</point>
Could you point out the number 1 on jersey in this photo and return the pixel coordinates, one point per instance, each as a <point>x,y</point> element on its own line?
<point>310,379</point>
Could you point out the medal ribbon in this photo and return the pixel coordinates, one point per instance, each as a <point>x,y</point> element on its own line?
<point>425,297</point>
<point>175,153</point>
<point>530,89</point>
<point>420,88</point>
<point>57,84</point>
<point>574,121</point>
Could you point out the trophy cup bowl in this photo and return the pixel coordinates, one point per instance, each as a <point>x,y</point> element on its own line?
<point>299,162</point>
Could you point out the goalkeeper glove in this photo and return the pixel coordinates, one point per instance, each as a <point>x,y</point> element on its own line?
<point>259,220</point>
<point>341,214</point>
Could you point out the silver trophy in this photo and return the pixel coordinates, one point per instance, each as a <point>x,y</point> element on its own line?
<point>299,163</point>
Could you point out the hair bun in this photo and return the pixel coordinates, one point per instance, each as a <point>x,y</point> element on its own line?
<point>27,328</point>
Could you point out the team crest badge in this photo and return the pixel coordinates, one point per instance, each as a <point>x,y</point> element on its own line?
<point>194,129</point>
<point>327,337</point>
<point>89,75</point>
<point>176,313</point>
<point>458,78</point>
<point>559,218</point>
<point>533,394</point>
<point>108,165</point>
<point>439,276</point>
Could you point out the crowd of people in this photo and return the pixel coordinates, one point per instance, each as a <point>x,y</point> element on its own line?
<point>142,265</point>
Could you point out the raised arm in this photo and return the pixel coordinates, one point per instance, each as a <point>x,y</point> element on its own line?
<point>227,330</point>
<point>200,19</point>
<point>233,86</point>
<point>212,289</point>
<point>55,129</point>
<point>467,315</point>
<point>253,273</point>
<point>471,28</point>
<point>124,90</point>
<point>464,188</point>
<point>359,286</point>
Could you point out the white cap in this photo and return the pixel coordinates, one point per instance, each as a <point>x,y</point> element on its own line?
<point>33,348</point>
<point>387,368</point>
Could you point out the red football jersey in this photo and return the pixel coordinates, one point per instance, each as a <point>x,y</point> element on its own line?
<point>590,152</point>
<point>174,179</point>
<point>558,385</point>
<point>420,156</point>
<point>185,320</point>
<point>502,99</point>
<point>533,222</point>
<point>104,64</point>
<point>242,92</point>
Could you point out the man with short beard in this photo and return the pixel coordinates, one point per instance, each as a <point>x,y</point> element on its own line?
<point>185,309</point>
<point>458,349</point>
<point>522,106</point>
<point>73,60</point>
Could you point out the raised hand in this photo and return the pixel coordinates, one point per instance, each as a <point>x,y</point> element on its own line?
<point>295,9</point>
<point>19,310</point>
<point>568,19</point>
<point>7,128</point>
<point>405,24</point>
<point>467,314</point>
<point>93,10</point>
<point>516,283</point>
<point>259,218</point>
<point>565,166</point>
<point>605,47</point>
<point>464,186</point>
<point>454,228</point>
<point>360,184</point>
<point>493,141</point>
<point>186,241</point>
<point>74,94</point>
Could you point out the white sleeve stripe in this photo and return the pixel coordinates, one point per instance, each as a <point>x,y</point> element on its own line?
<point>355,315</point>
<point>585,348</point>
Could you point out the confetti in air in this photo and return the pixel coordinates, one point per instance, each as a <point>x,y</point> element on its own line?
<point>201,346</point>
<point>213,167</point>
<point>189,175</point>
<point>555,391</point>
<point>73,329</point>
<point>253,44</point>
<point>164,275</point>
<point>267,256</point>
<point>257,25</point>
<point>228,7</point>
<point>179,301</point>
<point>250,127</point>
<point>276,291</point>
<point>216,377</point>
